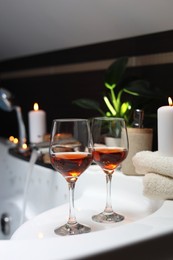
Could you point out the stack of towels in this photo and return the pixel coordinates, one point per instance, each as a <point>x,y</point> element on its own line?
<point>158,174</point>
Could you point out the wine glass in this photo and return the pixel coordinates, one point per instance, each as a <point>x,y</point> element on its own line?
<point>110,148</point>
<point>71,155</point>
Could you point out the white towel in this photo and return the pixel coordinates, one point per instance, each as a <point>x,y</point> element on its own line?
<point>158,174</point>
<point>152,162</point>
<point>157,186</point>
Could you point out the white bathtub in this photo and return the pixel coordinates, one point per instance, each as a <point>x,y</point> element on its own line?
<point>45,191</point>
<point>48,208</point>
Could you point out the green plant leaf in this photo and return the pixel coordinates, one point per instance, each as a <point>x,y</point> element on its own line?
<point>108,114</point>
<point>109,106</point>
<point>86,103</point>
<point>124,107</point>
<point>115,71</point>
<point>140,88</point>
<point>110,86</point>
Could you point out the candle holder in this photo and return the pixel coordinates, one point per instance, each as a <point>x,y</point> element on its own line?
<point>140,139</point>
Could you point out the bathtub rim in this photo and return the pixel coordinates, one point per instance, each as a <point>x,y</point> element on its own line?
<point>109,241</point>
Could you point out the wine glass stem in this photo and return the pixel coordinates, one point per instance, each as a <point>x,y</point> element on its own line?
<point>72,218</point>
<point>108,208</point>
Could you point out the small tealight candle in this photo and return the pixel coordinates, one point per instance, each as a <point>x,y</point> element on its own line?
<point>37,124</point>
<point>165,129</point>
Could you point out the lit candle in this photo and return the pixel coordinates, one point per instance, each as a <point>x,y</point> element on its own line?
<point>165,129</point>
<point>37,124</point>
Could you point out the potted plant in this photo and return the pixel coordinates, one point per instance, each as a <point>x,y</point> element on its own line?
<point>115,90</point>
<point>120,102</point>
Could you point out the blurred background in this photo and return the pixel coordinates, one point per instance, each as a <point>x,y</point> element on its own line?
<point>52,52</point>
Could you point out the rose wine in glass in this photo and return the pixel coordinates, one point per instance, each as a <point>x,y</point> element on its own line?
<point>71,155</point>
<point>110,148</point>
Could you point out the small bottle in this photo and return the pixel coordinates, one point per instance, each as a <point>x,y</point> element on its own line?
<point>138,118</point>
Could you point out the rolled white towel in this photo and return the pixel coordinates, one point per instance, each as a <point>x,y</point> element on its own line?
<point>157,186</point>
<point>152,162</point>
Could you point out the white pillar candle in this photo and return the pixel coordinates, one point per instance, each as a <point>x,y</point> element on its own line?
<point>165,130</point>
<point>37,124</point>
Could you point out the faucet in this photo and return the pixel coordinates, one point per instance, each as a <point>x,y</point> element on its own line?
<point>6,105</point>
<point>42,147</point>
<point>42,150</point>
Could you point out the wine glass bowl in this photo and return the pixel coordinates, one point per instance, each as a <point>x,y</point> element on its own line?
<point>71,155</point>
<point>110,148</point>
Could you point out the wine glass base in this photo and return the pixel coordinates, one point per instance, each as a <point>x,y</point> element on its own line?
<point>72,229</point>
<point>104,217</point>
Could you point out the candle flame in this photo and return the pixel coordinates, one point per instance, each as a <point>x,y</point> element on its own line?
<point>24,146</point>
<point>11,138</point>
<point>170,101</point>
<point>15,141</point>
<point>36,107</point>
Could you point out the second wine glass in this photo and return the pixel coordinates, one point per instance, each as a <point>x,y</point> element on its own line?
<point>110,143</point>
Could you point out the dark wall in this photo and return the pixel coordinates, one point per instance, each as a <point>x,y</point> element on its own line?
<point>55,92</point>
